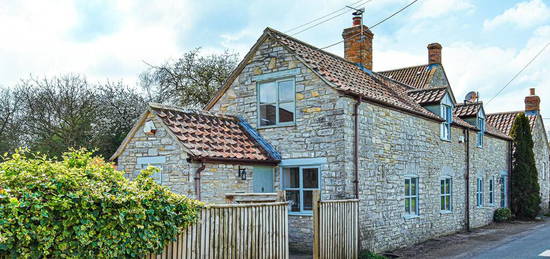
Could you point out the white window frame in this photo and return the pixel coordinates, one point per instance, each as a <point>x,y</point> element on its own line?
<point>479,192</point>
<point>443,194</point>
<point>481,133</point>
<point>446,112</point>
<point>156,161</point>
<point>277,103</point>
<point>410,197</point>
<point>300,186</point>
<point>504,190</point>
<point>492,191</point>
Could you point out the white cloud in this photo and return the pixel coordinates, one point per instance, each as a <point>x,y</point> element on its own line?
<point>523,15</point>
<point>438,8</point>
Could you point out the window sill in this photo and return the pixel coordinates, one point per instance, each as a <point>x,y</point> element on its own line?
<point>411,217</point>
<point>446,212</point>
<point>309,214</point>
<point>277,126</point>
<point>446,140</point>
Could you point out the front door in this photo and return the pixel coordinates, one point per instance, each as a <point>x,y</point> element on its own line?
<point>263,179</point>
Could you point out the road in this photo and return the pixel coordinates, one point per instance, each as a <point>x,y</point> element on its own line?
<point>530,244</point>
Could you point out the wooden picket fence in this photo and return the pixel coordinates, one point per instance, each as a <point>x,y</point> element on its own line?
<point>234,231</point>
<point>335,228</point>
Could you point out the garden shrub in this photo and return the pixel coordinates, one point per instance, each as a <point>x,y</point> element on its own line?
<point>81,207</point>
<point>502,215</point>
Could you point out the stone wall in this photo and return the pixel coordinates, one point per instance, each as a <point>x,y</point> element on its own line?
<point>177,173</point>
<point>395,145</point>
<point>542,152</point>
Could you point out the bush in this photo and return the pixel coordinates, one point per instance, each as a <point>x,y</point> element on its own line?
<point>81,207</point>
<point>365,254</point>
<point>502,215</point>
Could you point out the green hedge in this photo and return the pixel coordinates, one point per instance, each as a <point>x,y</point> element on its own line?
<point>81,207</point>
<point>502,215</point>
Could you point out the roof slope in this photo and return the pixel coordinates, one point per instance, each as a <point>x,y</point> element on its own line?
<point>467,109</point>
<point>428,96</point>
<point>212,136</point>
<point>504,120</point>
<point>416,76</point>
<point>349,78</point>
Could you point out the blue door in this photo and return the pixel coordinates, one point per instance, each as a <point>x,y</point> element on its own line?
<point>263,179</point>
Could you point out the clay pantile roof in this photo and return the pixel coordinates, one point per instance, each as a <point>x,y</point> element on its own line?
<point>349,78</point>
<point>416,76</point>
<point>503,121</point>
<point>491,130</point>
<point>213,136</point>
<point>428,95</point>
<point>467,109</point>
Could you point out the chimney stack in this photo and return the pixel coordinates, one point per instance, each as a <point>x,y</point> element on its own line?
<point>358,42</point>
<point>434,53</point>
<point>532,103</point>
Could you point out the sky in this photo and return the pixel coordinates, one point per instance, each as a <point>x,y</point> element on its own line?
<point>484,42</point>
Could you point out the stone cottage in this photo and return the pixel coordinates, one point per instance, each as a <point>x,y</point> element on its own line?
<point>504,120</point>
<point>300,119</point>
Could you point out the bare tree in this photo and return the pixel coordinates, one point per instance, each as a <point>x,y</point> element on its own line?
<point>189,81</point>
<point>10,130</point>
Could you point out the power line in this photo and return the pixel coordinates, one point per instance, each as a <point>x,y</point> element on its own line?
<point>330,18</point>
<point>378,23</point>
<point>317,19</point>
<point>518,73</point>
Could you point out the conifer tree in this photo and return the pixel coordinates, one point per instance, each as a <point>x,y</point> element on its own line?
<point>525,192</point>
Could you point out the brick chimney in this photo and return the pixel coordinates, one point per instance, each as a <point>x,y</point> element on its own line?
<point>532,103</point>
<point>434,53</point>
<point>358,42</point>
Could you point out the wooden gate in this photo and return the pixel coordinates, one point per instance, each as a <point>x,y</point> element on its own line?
<point>335,228</point>
<point>234,231</point>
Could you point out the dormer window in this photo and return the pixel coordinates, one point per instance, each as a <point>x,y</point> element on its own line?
<point>447,114</point>
<point>481,127</point>
<point>276,102</point>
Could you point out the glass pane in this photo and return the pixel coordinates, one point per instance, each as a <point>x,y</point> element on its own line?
<point>413,205</point>
<point>286,112</point>
<point>407,187</point>
<point>448,202</point>
<point>413,186</point>
<point>407,205</point>
<point>442,186</point>
<point>267,115</point>
<point>291,177</point>
<point>294,198</point>
<point>268,93</point>
<point>442,202</point>
<point>448,186</point>
<point>308,197</point>
<point>286,91</point>
<point>310,178</point>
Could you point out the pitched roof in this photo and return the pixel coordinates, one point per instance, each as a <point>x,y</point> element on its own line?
<point>416,76</point>
<point>213,136</point>
<point>504,120</point>
<point>467,109</point>
<point>349,78</point>
<point>428,95</point>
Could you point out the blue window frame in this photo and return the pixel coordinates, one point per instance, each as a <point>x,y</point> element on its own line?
<point>276,102</point>
<point>481,127</point>
<point>447,114</point>
<point>479,192</point>
<point>299,182</point>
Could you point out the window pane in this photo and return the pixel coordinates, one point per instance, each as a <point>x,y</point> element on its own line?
<point>413,186</point>
<point>308,197</point>
<point>413,205</point>
<point>442,186</point>
<point>268,93</point>
<point>294,198</point>
<point>448,186</point>
<point>407,187</point>
<point>286,112</point>
<point>448,202</point>
<point>286,91</point>
<point>407,205</point>
<point>442,202</point>
<point>310,178</point>
<point>291,178</point>
<point>267,115</point>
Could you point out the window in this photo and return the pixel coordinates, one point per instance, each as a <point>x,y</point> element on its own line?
<point>503,188</point>
<point>491,191</point>
<point>276,102</point>
<point>446,194</point>
<point>447,114</point>
<point>479,192</point>
<point>299,183</point>
<point>411,196</point>
<point>156,161</point>
<point>481,126</point>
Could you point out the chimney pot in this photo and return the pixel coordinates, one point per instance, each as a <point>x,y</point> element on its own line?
<point>434,53</point>
<point>357,20</point>
<point>532,103</point>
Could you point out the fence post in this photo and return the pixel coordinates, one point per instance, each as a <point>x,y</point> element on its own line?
<point>316,228</point>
